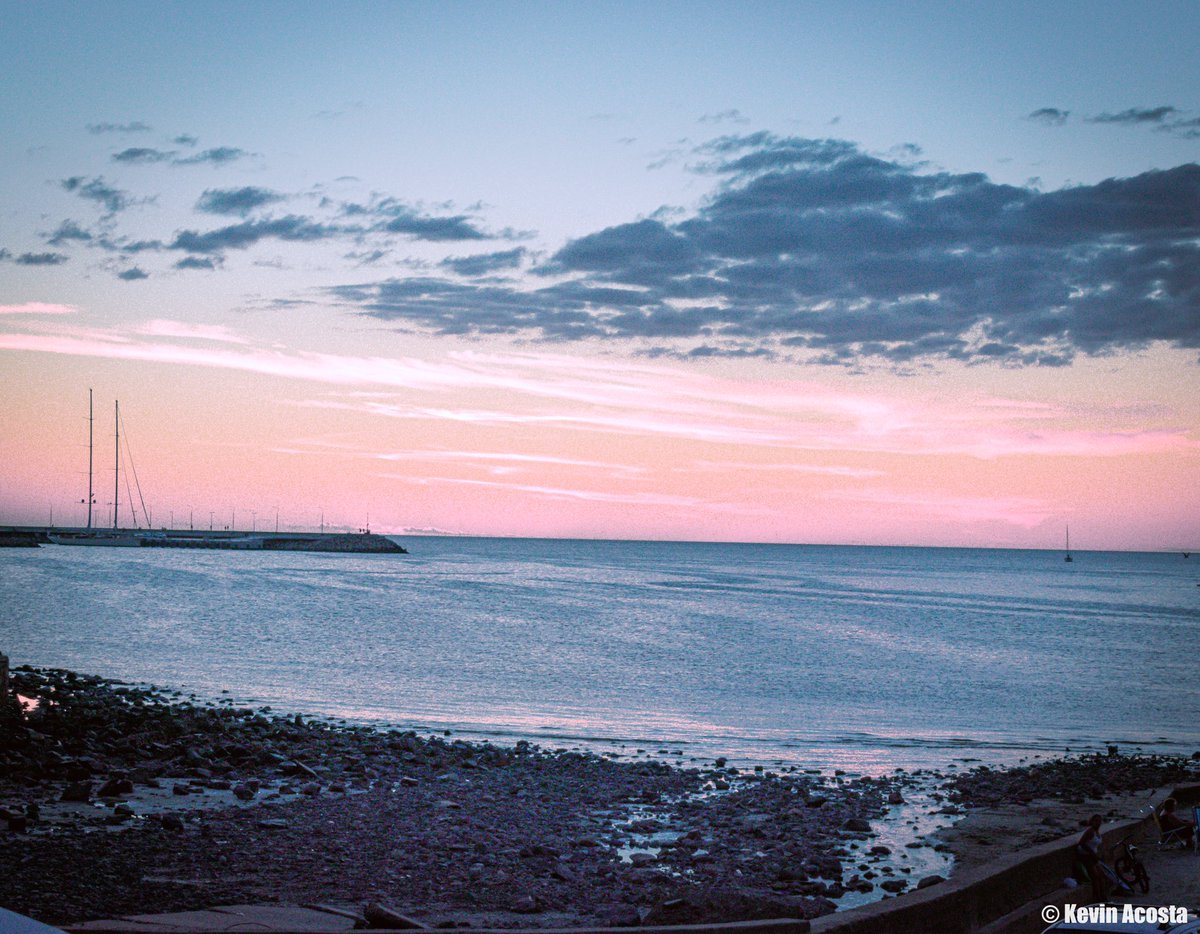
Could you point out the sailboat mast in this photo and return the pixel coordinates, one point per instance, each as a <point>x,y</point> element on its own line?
<point>91,426</point>
<point>117,466</point>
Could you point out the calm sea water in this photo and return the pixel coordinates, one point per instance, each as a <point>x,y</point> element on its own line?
<point>859,658</point>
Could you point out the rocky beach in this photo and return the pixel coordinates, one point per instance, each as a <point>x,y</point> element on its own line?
<point>121,799</point>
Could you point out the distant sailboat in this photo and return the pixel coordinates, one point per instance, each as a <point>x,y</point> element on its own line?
<point>1068,554</point>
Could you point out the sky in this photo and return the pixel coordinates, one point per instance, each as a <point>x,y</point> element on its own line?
<point>869,273</point>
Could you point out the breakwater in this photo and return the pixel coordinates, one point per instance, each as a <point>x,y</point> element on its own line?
<point>228,540</point>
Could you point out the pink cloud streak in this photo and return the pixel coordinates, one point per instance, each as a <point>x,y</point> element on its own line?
<point>603,395</point>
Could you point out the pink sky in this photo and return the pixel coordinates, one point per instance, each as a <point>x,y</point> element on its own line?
<point>528,442</point>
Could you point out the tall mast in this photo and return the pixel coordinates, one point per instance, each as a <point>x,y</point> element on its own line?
<point>117,465</point>
<point>91,494</point>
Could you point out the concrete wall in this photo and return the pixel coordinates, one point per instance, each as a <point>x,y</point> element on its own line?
<point>1003,897</point>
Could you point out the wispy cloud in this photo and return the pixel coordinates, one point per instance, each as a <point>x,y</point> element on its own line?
<point>1137,116</point>
<point>142,155</point>
<point>622,399</point>
<point>219,155</point>
<point>38,308</point>
<point>1050,116</point>
<point>134,126</point>
<point>146,155</point>
<point>240,201</point>
<point>96,189</point>
<point>632,498</point>
<point>41,259</point>
<point>164,327</point>
<point>724,116</point>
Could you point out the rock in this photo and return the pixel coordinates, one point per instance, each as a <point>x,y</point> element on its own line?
<point>272,823</point>
<point>18,823</point>
<point>114,787</point>
<point>526,905</point>
<point>563,873</point>
<point>243,792</point>
<point>893,885</point>
<point>880,850</point>
<point>857,825</point>
<point>77,791</point>
<point>930,880</point>
<point>895,797</point>
<point>387,918</point>
<point>172,822</point>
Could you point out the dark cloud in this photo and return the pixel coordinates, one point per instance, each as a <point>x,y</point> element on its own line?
<point>135,127</point>
<point>197,262</point>
<point>100,191</point>
<point>1136,115</point>
<point>220,155</point>
<point>145,155</point>
<point>240,236</point>
<point>142,155</point>
<point>183,139</point>
<point>366,257</point>
<point>239,201</point>
<point>459,308</point>
<point>132,274</point>
<point>427,227</point>
<point>724,116</point>
<point>1163,119</point>
<point>1051,116</point>
<point>41,259</point>
<point>69,231</point>
<point>5,255</point>
<point>485,263</point>
<point>817,247</point>
<point>392,216</point>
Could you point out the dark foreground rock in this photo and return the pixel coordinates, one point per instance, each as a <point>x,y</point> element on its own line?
<point>172,805</point>
<point>1073,780</point>
<point>118,800</point>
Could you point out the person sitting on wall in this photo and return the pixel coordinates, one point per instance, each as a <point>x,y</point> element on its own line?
<point>1170,821</point>
<point>1087,852</point>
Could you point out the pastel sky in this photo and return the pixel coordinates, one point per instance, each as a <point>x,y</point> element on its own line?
<point>864,272</point>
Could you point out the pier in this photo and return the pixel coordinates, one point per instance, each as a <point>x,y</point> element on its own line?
<point>30,536</point>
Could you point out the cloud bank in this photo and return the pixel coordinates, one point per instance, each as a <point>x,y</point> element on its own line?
<point>814,247</point>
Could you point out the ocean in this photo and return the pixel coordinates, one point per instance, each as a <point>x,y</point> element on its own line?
<point>866,659</point>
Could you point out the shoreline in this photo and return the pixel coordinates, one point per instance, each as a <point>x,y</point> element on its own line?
<point>182,806</point>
